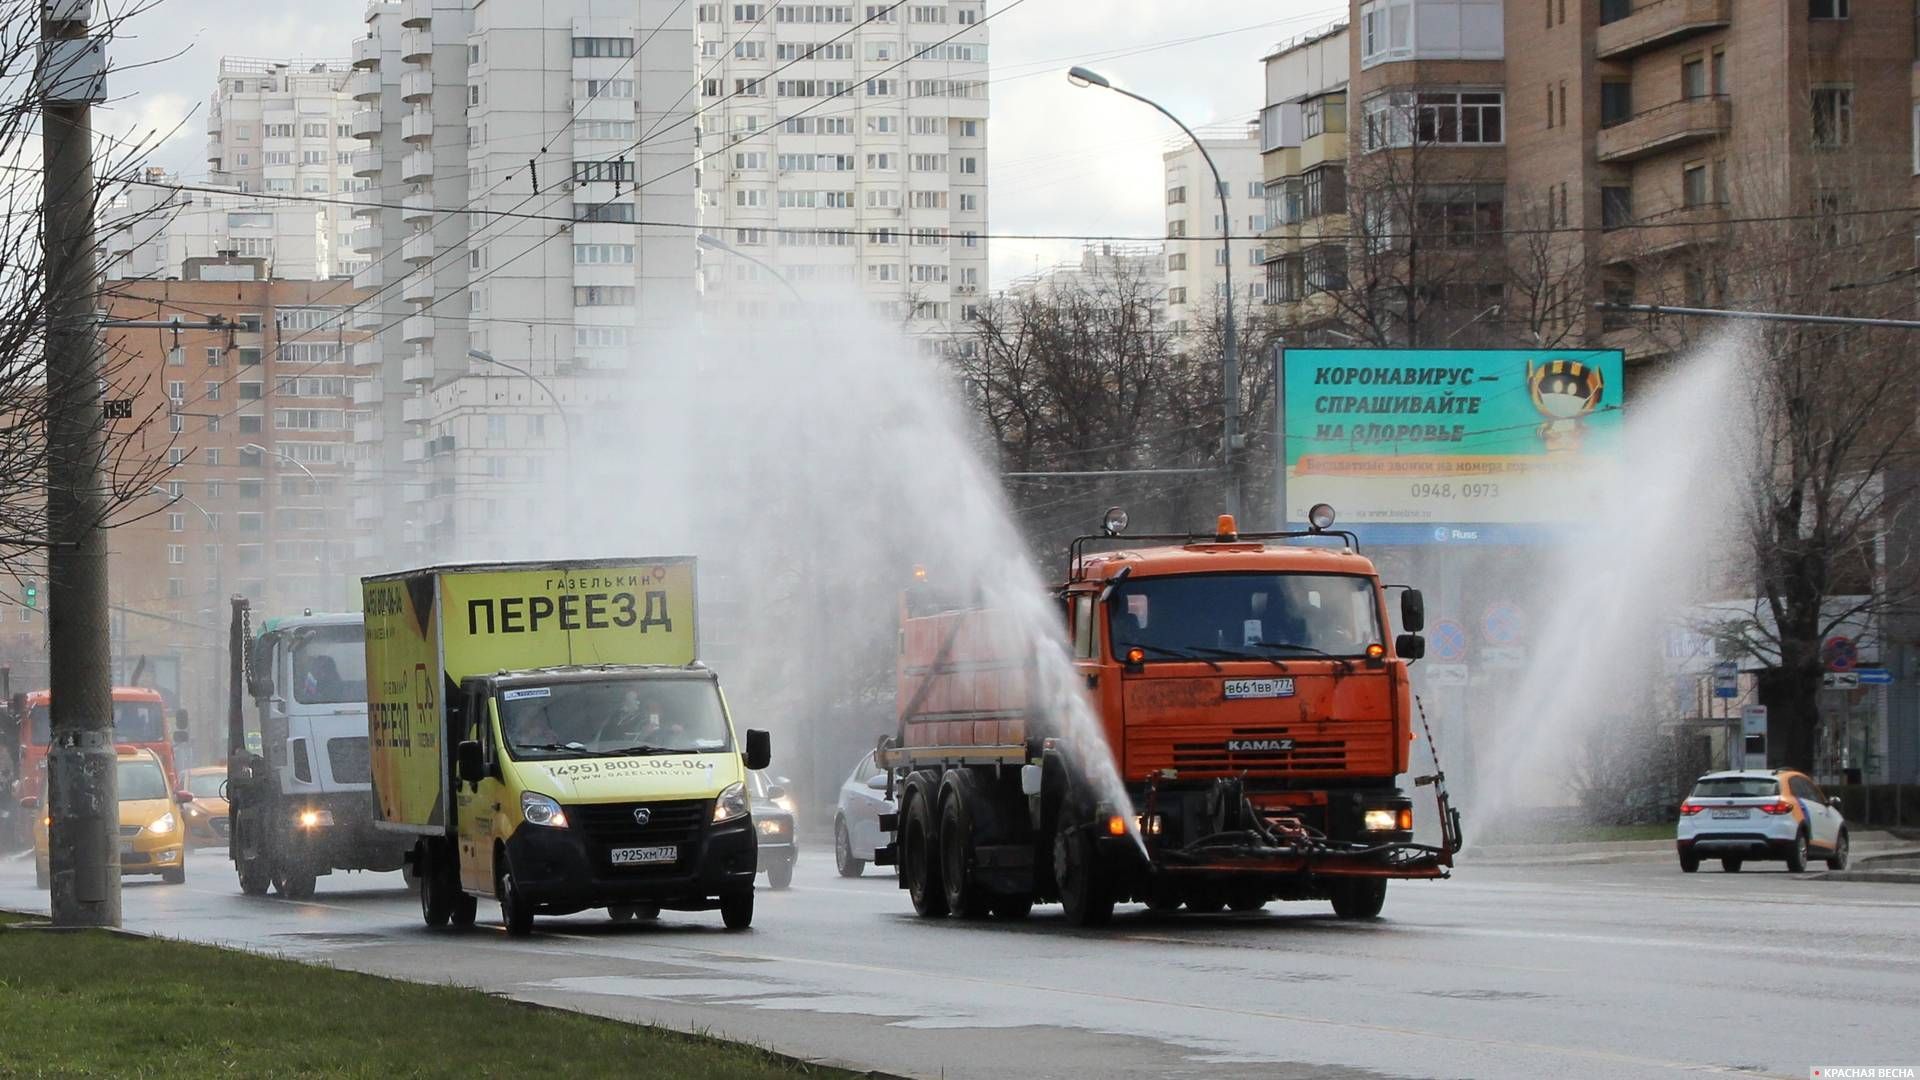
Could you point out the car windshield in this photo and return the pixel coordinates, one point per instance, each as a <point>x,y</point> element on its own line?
<point>617,716</point>
<point>206,785</point>
<point>133,722</point>
<point>1209,616</point>
<point>330,666</point>
<point>1736,787</point>
<point>140,778</point>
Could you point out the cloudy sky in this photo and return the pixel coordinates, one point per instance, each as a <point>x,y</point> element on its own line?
<point>1061,159</point>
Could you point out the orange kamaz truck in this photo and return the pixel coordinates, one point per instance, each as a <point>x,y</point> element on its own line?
<point>1248,690</point>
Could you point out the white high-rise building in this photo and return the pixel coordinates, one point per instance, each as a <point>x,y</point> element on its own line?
<point>1196,263</point>
<point>508,176</point>
<point>150,230</point>
<point>848,145</point>
<point>281,127</point>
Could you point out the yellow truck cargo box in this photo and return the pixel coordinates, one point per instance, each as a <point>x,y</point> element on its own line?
<point>428,629</point>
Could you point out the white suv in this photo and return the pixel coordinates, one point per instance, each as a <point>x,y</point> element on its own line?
<point>1752,814</point>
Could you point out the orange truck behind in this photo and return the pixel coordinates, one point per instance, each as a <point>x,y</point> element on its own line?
<point>1250,693</point>
<point>139,720</point>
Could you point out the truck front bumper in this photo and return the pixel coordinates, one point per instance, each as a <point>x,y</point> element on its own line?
<point>560,870</point>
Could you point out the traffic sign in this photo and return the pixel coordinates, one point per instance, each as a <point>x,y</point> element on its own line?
<point>1447,641</point>
<point>1841,680</point>
<point>1438,675</point>
<point>1502,624</point>
<point>1874,676</point>
<point>1726,679</point>
<point>1505,657</point>
<point>1753,720</point>
<point>1840,653</point>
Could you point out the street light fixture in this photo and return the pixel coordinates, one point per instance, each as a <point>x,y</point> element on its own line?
<point>326,545</point>
<point>1230,359</point>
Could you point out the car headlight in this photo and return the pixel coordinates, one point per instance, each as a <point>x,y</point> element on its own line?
<point>540,810</point>
<point>163,824</point>
<point>731,804</point>
<point>1400,820</point>
<point>771,827</point>
<point>315,819</point>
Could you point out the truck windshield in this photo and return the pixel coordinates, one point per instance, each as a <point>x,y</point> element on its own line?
<point>330,666</point>
<point>1269,616</point>
<point>140,778</point>
<point>133,722</point>
<point>618,716</point>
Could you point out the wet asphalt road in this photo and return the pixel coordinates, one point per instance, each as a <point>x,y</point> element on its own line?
<point>1625,970</point>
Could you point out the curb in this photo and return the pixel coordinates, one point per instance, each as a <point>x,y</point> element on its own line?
<point>1881,877</point>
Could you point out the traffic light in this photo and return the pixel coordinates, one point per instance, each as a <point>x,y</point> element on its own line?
<point>32,594</point>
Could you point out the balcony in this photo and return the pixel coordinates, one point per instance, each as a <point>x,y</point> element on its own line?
<point>417,328</point>
<point>367,162</point>
<point>418,286</point>
<point>417,248</point>
<point>368,391</point>
<point>367,317</point>
<point>416,126</point>
<point>417,14</point>
<point>368,239</point>
<point>1667,127</point>
<point>417,207</point>
<point>413,450</point>
<point>365,123</point>
<point>367,431</point>
<point>416,410</point>
<point>364,86</point>
<point>366,53</point>
<point>370,278</point>
<point>416,86</point>
<point>417,166</point>
<point>1688,226</point>
<point>416,46</point>
<point>1655,23</point>
<point>417,368</point>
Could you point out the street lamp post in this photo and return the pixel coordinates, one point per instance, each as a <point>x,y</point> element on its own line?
<point>326,543</point>
<point>1230,359</point>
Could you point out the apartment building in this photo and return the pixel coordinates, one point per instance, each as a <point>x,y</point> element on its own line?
<point>250,426</point>
<point>845,146</point>
<point>1102,267</point>
<point>152,230</point>
<point>1197,264</point>
<point>1303,153</point>
<point>280,127</point>
<point>514,279</point>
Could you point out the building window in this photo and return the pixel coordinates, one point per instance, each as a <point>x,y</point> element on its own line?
<point>1461,216</point>
<point>1694,185</point>
<point>1616,206</point>
<point>1616,102</point>
<point>1693,77</point>
<point>1393,30</point>
<point>176,522</point>
<point>1832,116</point>
<point>1441,118</point>
<point>602,46</point>
<point>1828,9</point>
<point>176,554</point>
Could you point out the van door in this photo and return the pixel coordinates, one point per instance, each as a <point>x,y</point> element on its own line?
<point>477,803</point>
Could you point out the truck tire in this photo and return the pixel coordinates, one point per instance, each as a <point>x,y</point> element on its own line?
<point>1084,891</point>
<point>1359,898</point>
<point>965,898</point>
<point>437,889</point>
<point>465,908</point>
<point>254,878</point>
<point>780,875</point>
<point>919,862</point>
<point>736,910</point>
<point>843,859</point>
<point>515,913</point>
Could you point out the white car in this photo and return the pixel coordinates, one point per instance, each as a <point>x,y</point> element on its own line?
<point>856,821</point>
<point>1773,814</point>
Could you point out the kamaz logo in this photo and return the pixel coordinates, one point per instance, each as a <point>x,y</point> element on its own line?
<point>1259,746</point>
<point>642,815</point>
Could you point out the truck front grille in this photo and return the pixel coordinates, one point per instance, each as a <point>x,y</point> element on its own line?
<point>611,825</point>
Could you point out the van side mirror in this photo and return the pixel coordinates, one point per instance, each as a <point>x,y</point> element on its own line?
<point>759,752</point>
<point>1410,647</point>
<point>776,792</point>
<point>183,796</point>
<point>878,781</point>
<point>1413,611</point>
<point>472,767</point>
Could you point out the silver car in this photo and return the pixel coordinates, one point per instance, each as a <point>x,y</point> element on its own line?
<point>856,821</point>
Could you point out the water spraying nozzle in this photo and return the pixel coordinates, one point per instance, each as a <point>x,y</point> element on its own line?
<point>1114,522</point>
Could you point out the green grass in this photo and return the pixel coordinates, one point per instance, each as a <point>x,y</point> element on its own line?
<point>93,1004</point>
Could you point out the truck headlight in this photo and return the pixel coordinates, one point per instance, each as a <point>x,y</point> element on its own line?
<point>540,810</point>
<point>1400,820</point>
<point>315,819</point>
<point>731,804</point>
<point>162,824</point>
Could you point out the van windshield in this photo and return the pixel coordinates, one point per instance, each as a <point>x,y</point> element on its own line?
<point>133,722</point>
<point>614,717</point>
<point>1256,615</point>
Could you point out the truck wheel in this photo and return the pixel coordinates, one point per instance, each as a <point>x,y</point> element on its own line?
<point>1083,883</point>
<point>919,863</point>
<point>843,859</point>
<point>437,890</point>
<point>465,909</point>
<point>736,910</point>
<point>780,874</point>
<point>965,898</point>
<point>254,879</point>
<point>1359,898</point>
<point>515,913</point>
<point>296,884</point>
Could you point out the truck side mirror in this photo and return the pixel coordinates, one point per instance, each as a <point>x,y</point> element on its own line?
<point>260,686</point>
<point>1413,611</point>
<point>759,753</point>
<point>1410,646</point>
<point>472,767</point>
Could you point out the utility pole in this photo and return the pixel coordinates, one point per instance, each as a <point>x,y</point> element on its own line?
<point>82,798</point>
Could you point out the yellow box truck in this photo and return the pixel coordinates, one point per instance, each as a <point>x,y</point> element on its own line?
<point>549,738</point>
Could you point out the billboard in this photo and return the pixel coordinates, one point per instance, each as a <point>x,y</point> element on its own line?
<point>1451,445</point>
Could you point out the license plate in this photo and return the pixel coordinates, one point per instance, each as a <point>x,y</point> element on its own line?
<point>1729,812</point>
<point>1258,688</point>
<point>642,856</point>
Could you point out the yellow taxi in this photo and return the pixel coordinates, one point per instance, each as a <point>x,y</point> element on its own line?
<point>153,828</point>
